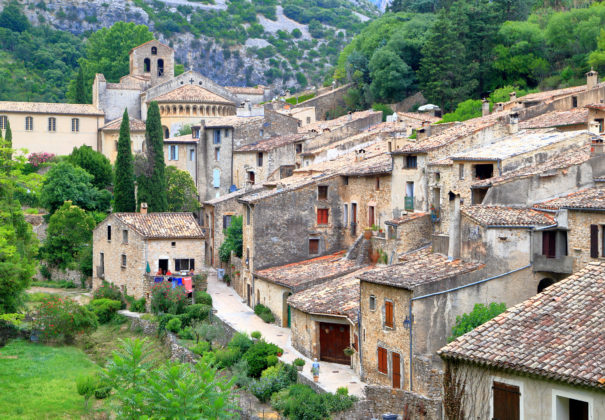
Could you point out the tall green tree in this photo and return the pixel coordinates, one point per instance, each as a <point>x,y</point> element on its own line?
<point>80,95</point>
<point>152,183</point>
<point>391,77</point>
<point>182,194</point>
<point>93,162</point>
<point>8,135</point>
<point>13,18</point>
<point>124,193</point>
<point>233,239</point>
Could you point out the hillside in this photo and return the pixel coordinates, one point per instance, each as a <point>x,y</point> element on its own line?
<point>282,43</point>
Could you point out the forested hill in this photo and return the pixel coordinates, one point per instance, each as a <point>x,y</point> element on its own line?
<point>469,49</point>
<point>282,43</point>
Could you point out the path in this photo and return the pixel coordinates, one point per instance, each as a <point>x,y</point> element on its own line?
<point>233,311</point>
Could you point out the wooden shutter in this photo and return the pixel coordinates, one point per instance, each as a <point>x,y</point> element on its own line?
<point>313,246</point>
<point>388,314</point>
<point>396,363</point>
<point>549,244</point>
<point>356,342</point>
<point>322,216</point>
<point>594,241</point>
<point>382,360</point>
<point>506,401</point>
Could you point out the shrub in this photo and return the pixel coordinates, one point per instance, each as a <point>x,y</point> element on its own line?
<point>241,341</point>
<point>299,362</point>
<point>227,357</point>
<point>186,333</point>
<point>267,317</point>
<point>203,298</point>
<point>301,402</point>
<point>86,386</point>
<point>479,315</point>
<point>256,334</point>
<point>240,373</point>
<point>199,311</point>
<point>139,305</point>
<point>108,291</point>
<point>174,325</point>
<point>256,357</point>
<point>200,348</point>
<point>273,379</point>
<point>208,331</point>
<point>45,272</point>
<point>102,392</point>
<point>62,318</point>
<point>272,360</point>
<point>165,299</point>
<point>104,309</point>
<point>260,308</point>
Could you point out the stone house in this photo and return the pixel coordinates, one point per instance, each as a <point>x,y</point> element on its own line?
<point>569,120</point>
<point>129,248</point>
<point>110,134</point>
<point>406,233</point>
<point>182,153</point>
<point>541,359</point>
<point>52,128</point>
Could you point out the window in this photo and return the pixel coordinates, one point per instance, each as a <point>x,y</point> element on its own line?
<point>154,50</point>
<point>409,189</point>
<point>594,241</point>
<point>109,233</point>
<point>308,120</point>
<point>484,171</point>
<point>371,210</point>
<point>377,186</point>
<point>184,264</point>
<point>322,216</point>
<point>571,408</point>
<point>147,65</point>
<point>372,302</point>
<point>29,124</point>
<point>299,148</point>
<point>345,180</point>
<point>226,221</point>
<point>3,122</point>
<point>191,155</point>
<point>160,67</point>
<point>505,401</point>
<point>251,177</point>
<point>217,153</point>
<point>549,243</point>
<point>599,120</point>
<point>123,260</point>
<point>247,257</point>
<point>262,132</point>
<point>259,159</point>
<point>166,132</point>
<point>382,360</point>
<point>217,137</point>
<point>75,125</point>
<point>574,101</point>
<point>247,215</point>
<point>313,246</point>
<point>124,236</point>
<point>390,147</point>
<point>52,124</point>
<point>461,171</point>
<point>345,215</point>
<point>216,178</point>
<point>226,133</point>
<point>173,152</point>
<point>388,314</point>
<point>411,162</point>
<point>322,192</point>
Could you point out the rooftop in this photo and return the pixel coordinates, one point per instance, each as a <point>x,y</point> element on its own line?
<point>557,334</point>
<point>135,125</point>
<point>573,116</point>
<point>550,94</point>
<point>495,216</point>
<point>185,138</point>
<point>419,267</point>
<point>49,108</point>
<point>259,90</point>
<point>231,121</point>
<point>405,218</point>
<point>163,225</point>
<point>587,199</point>
<point>235,194</point>
<point>420,116</point>
<point>320,126</point>
<point>271,143</point>
<point>600,107</point>
<point>192,94</point>
<point>301,275</point>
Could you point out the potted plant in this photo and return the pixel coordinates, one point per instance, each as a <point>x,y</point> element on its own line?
<point>349,351</point>
<point>315,371</point>
<point>367,233</point>
<point>299,363</point>
<point>279,352</point>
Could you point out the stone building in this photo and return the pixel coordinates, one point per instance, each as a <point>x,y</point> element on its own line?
<point>182,153</point>
<point>110,134</point>
<point>129,248</point>
<point>541,359</point>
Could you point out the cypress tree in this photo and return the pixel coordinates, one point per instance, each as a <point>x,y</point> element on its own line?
<point>124,197</point>
<point>8,139</point>
<point>152,185</point>
<point>80,88</point>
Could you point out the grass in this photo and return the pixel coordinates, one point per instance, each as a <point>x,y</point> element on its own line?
<point>38,381</point>
<point>61,284</point>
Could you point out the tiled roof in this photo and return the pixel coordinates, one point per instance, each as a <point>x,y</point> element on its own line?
<point>405,218</point>
<point>339,296</point>
<point>588,199</point>
<point>547,168</point>
<point>557,334</point>
<point>260,90</point>
<point>135,125</point>
<point>375,165</point>
<point>507,216</point>
<point>596,106</point>
<point>185,138</point>
<point>301,275</point>
<point>163,225</point>
<point>550,94</point>
<point>557,119</point>
<point>152,41</point>
<point>192,94</point>
<point>49,108</point>
<point>272,143</point>
<point>420,116</point>
<point>231,121</point>
<point>419,267</point>
<point>235,194</point>
<point>320,126</point>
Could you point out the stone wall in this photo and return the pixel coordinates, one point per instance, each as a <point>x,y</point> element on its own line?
<point>407,105</point>
<point>326,102</point>
<point>273,297</point>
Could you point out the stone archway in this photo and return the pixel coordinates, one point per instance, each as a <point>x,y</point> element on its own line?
<point>544,283</point>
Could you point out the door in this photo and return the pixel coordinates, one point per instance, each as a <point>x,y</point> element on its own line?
<point>396,359</point>
<point>333,339</point>
<point>248,294</point>
<point>371,216</point>
<point>163,265</point>
<point>506,402</point>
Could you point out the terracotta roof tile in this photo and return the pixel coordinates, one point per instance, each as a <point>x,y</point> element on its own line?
<point>405,218</point>
<point>192,94</point>
<point>492,216</point>
<point>321,126</point>
<point>589,199</point>
<point>49,108</point>
<point>231,121</point>
<point>596,106</point>
<point>185,138</point>
<point>272,143</point>
<point>163,225</point>
<point>557,334</point>
<point>135,125</point>
<point>550,94</point>
<point>557,119</point>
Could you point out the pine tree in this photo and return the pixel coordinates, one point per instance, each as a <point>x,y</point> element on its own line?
<point>152,184</point>
<point>124,195</point>
<point>80,88</point>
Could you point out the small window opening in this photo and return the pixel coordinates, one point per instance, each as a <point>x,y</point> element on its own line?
<point>313,246</point>
<point>484,171</point>
<point>322,192</point>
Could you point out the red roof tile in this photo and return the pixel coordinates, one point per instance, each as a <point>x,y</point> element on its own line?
<point>493,216</point>
<point>587,199</point>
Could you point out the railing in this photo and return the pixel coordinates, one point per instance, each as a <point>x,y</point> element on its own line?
<point>409,203</point>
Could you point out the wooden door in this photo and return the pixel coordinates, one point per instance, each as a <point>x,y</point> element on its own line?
<point>396,362</point>
<point>371,216</point>
<point>353,212</point>
<point>506,402</point>
<point>248,293</point>
<point>333,339</point>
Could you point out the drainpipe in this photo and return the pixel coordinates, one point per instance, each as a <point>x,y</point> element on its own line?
<point>232,140</point>
<point>359,338</point>
<point>411,346</point>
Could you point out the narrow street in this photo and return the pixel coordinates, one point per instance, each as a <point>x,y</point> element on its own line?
<point>234,312</point>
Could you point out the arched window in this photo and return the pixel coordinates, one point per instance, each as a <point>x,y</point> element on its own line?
<point>166,132</point>
<point>29,124</point>
<point>160,67</point>
<point>147,65</point>
<point>154,50</point>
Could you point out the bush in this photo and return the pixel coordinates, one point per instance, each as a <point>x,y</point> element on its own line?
<point>86,386</point>
<point>299,362</point>
<point>240,373</point>
<point>163,320</point>
<point>256,357</point>
<point>256,334</point>
<point>102,392</point>
<point>199,311</point>
<point>62,318</point>
<point>203,298</point>
<point>165,299</point>
<point>174,325</point>
<point>264,313</point>
<point>302,402</point>
<point>479,315</point>
<point>227,357</point>
<point>200,348</point>
<point>273,379</point>
<point>139,305</point>
<point>267,317</point>
<point>241,341</point>
<point>108,291</point>
<point>104,309</point>
<point>186,333</point>
<point>272,360</point>
<point>260,308</point>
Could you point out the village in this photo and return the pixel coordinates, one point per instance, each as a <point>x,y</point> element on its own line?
<point>365,239</point>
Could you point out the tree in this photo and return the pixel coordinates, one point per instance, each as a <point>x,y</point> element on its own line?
<point>69,233</point>
<point>13,18</point>
<point>8,135</point>
<point>80,95</point>
<point>391,77</point>
<point>124,193</point>
<point>181,191</point>
<point>67,182</point>
<point>152,183</point>
<point>233,239</point>
<point>597,57</point>
<point>479,315</point>
<point>466,110</point>
<point>93,162</point>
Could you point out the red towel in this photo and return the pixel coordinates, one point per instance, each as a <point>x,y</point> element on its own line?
<point>188,283</point>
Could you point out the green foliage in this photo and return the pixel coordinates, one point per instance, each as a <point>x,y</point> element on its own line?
<point>174,325</point>
<point>256,335</point>
<point>597,57</point>
<point>299,99</point>
<point>124,194</point>
<point>227,357</point>
<point>86,386</point>
<point>233,240</point>
<point>199,311</point>
<point>108,291</point>
<point>273,379</point>
<point>13,18</point>
<point>200,348</point>
<point>80,88</point>
<point>203,298</point>
<point>256,357</point>
<point>272,360</point>
<point>479,315</point>
<point>184,130</point>
<point>105,309</point>
<point>93,162</point>
<point>392,78</point>
<point>240,341</point>
<point>181,191</point>
<point>302,402</point>
<point>61,284</point>
<point>464,111</point>
<point>61,319</point>
<point>166,299</point>
<point>267,317</point>
<point>299,362</point>
<point>386,110</point>
<point>208,331</point>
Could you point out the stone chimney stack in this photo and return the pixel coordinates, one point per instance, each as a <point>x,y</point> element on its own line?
<point>143,208</point>
<point>512,96</point>
<point>594,127</point>
<point>513,123</point>
<point>499,107</point>
<point>596,148</point>
<point>484,107</point>
<point>454,240</point>
<point>592,79</point>
<point>424,131</point>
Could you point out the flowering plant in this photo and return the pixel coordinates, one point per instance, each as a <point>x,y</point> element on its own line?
<point>109,291</point>
<point>168,300</point>
<point>59,319</point>
<point>37,159</point>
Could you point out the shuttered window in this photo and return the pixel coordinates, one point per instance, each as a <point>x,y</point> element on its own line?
<point>322,216</point>
<point>356,342</point>
<point>506,401</point>
<point>549,247</point>
<point>388,314</point>
<point>594,241</point>
<point>313,246</point>
<point>382,360</point>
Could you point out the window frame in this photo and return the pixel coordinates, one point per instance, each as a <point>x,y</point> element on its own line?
<point>216,138</point>
<point>125,236</point>
<point>382,352</point>
<point>322,192</point>
<point>461,171</point>
<point>3,122</point>
<point>52,125</point>
<point>372,302</point>
<point>108,233</point>
<point>29,123</point>
<point>315,241</point>
<point>190,264</point>
<point>123,261</point>
<point>259,159</point>
<point>75,125</point>
<point>389,309</point>
<point>557,392</point>
<point>411,162</point>
<point>323,216</point>
<point>506,381</point>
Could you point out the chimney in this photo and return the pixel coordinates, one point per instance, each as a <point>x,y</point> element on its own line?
<point>513,123</point>
<point>143,208</point>
<point>596,146</point>
<point>512,96</point>
<point>484,107</point>
<point>592,79</point>
<point>349,116</point>
<point>453,251</point>
<point>594,127</point>
<point>424,131</point>
<point>499,107</point>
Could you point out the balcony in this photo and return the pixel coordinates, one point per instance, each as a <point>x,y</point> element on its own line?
<point>409,203</point>
<point>562,264</point>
